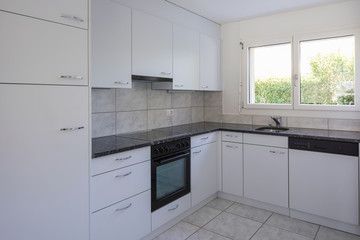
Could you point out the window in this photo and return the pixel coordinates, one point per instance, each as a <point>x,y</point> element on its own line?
<point>315,72</point>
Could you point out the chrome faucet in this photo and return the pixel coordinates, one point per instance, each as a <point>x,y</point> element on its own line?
<point>277,120</point>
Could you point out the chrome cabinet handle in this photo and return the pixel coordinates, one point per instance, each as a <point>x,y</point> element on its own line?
<point>71,129</point>
<point>197,151</point>
<point>176,85</point>
<point>165,73</point>
<point>124,208</point>
<point>121,82</point>
<point>229,146</point>
<point>172,209</point>
<point>204,138</point>
<point>232,136</point>
<point>122,159</point>
<point>205,86</point>
<point>70,77</point>
<point>275,152</point>
<point>72,17</point>
<point>123,175</point>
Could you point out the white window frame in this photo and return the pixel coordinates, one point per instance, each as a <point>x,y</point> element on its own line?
<point>295,71</point>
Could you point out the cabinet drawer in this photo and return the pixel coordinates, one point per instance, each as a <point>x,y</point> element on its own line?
<point>112,187</point>
<point>203,139</point>
<point>119,160</point>
<point>266,140</point>
<point>170,211</point>
<point>120,220</point>
<point>232,136</point>
<point>46,53</point>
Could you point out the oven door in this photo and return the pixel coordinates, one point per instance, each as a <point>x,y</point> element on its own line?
<point>170,179</point>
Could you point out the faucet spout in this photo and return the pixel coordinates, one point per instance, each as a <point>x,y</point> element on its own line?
<point>277,120</point>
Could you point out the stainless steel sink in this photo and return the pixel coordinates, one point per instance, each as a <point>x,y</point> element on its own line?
<point>272,129</point>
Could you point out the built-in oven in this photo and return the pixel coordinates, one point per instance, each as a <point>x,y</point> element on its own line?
<point>170,172</point>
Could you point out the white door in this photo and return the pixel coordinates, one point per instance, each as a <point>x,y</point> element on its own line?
<point>152,46</point>
<point>69,12</point>
<point>266,174</point>
<point>44,165</point>
<point>232,168</point>
<point>325,185</point>
<point>210,60</point>
<point>186,59</point>
<point>40,52</point>
<point>203,172</point>
<point>110,45</point>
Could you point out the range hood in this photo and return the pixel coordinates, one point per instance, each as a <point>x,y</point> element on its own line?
<point>156,82</point>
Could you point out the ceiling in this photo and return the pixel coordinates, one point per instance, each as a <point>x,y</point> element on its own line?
<point>223,11</point>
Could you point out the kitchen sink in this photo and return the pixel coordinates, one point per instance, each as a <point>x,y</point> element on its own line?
<point>272,129</point>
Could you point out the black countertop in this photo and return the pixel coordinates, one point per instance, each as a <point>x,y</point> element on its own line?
<point>103,146</point>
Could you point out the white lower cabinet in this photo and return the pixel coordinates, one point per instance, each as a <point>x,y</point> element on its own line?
<point>203,172</point>
<point>232,168</point>
<point>266,174</point>
<point>128,220</point>
<point>170,211</point>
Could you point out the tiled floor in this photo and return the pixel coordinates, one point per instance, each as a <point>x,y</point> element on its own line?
<point>225,220</point>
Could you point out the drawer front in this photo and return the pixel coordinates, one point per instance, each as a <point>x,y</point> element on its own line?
<point>120,220</point>
<point>232,137</point>
<point>266,140</point>
<point>203,139</point>
<point>112,187</point>
<point>119,160</point>
<point>170,211</point>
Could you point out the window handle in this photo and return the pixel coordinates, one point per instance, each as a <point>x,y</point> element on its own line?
<point>296,77</point>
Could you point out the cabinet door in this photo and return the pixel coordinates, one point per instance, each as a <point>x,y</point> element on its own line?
<point>210,58</point>
<point>325,185</point>
<point>44,168</point>
<point>266,174</point>
<point>41,52</point>
<point>152,46</point>
<point>110,45</point>
<point>203,172</point>
<point>128,220</point>
<point>69,12</point>
<point>186,59</point>
<point>232,168</point>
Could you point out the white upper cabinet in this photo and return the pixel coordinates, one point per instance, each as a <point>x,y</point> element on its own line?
<point>210,59</point>
<point>152,46</point>
<point>69,12</point>
<point>186,59</point>
<point>41,52</point>
<point>110,45</point>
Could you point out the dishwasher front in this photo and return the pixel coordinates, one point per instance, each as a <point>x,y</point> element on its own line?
<point>324,178</point>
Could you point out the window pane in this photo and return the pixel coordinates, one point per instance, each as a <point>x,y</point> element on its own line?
<point>327,71</point>
<point>270,74</point>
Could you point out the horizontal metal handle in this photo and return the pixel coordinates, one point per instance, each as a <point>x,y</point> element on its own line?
<point>276,152</point>
<point>123,175</point>
<point>205,86</point>
<point>232,136</point>
<point>122,159</point>
<point>172,209</point>
<point>124,208</point>
<point>71,77</point>
<point>165,73</point>
<point>229,146</point>
<point>72,17</point>
<point>121,82</point>
<point>71,129</point>
<point>204,138</point>
<point>179,85</point>
<point>197,151</point>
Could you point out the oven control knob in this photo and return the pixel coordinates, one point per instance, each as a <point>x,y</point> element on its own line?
<point>178,145</point>
<point>161,150</point>
<point>186,144</point>
<point>166,149</point>
<point>156,151</point>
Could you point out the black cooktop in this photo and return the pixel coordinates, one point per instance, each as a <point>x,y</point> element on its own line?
<point>156,136</point>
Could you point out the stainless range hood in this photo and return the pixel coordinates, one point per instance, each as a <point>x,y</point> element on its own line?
<point>156,82</point>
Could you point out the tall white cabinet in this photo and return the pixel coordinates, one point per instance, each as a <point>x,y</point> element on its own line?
<point>44,140</point>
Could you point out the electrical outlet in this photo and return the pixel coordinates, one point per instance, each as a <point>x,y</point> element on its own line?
<point>170,112</point>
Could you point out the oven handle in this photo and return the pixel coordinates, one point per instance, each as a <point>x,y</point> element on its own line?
<point>171,159</point>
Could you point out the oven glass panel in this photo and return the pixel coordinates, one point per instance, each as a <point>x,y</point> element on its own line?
<point>170,178</point>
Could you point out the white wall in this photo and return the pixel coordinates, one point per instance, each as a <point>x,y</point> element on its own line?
<point>319,19</point>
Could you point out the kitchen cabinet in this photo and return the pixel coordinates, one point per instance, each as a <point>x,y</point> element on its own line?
<point>151,46</point>
<point>324,184</point>
<point>203,169</point>
<point>44,162</point>
<point>232,163</point>
<point>40,52</point>
<point>110,45</point>
<point>69,12</point>
<point>210,62</point>
<point>266,169</point>
<point>186,62</point>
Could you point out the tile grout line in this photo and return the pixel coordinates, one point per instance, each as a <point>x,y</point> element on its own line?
<point>262,224</point>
